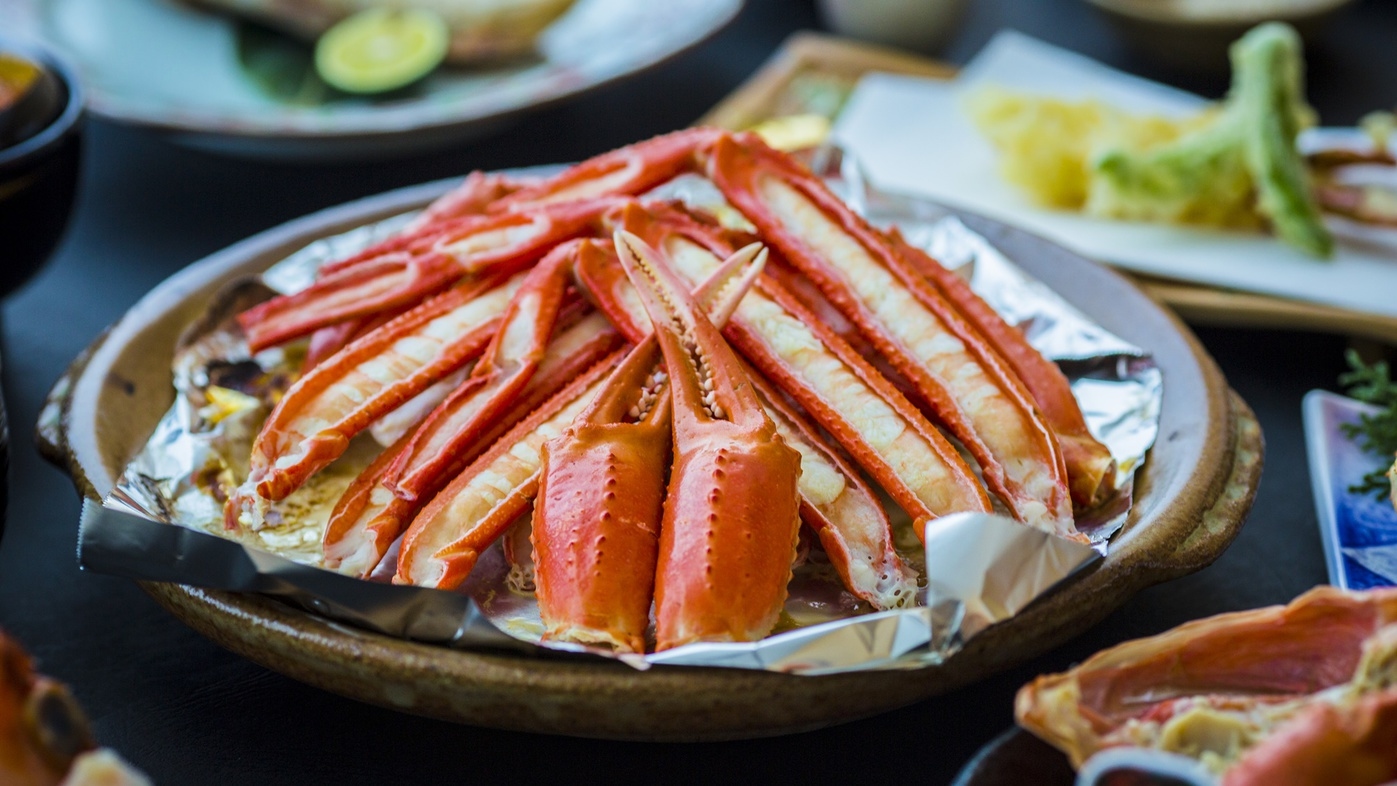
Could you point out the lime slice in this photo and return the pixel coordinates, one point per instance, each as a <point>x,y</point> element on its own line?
<point>381,49</point>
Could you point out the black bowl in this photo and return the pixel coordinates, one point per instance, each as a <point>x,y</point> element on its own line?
<point>39,177</point>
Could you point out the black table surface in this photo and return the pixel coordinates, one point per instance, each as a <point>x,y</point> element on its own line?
<point>187,711</point>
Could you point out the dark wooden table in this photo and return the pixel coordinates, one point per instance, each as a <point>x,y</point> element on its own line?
<point>187,712</point>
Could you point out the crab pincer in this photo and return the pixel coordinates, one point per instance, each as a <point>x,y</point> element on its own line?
<point>836,504</point>
<point>732,511</point>
<point>596,527</point>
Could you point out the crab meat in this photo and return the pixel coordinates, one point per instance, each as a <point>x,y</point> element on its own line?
<point>1297,694</point>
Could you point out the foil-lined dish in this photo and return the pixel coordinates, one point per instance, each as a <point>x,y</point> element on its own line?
<point>983,567</point>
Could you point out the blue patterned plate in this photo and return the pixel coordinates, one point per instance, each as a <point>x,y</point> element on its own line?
<point>1359,530</point>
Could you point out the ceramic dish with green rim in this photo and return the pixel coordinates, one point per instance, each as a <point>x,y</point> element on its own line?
<point>1192,496</point>
<point>200,76</point>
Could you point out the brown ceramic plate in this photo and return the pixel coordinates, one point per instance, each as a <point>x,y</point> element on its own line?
<point>1192,496</point>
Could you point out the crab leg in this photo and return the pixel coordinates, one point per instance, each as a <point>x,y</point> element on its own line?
<point>884,433</point>
<point>369,516</point>
<point>447,536</point>
<point>473,246</point>
<point>471,198</point>
<point>1090,469</point>
<point>631,170</point>
<point>474,196</point>
<point>835,502</point>
<point>953,370</point>
<point>1216,685</point>
<point>517,372</point>
<point>732,511</point>
<point>596,528</point>
<point>851,524</point>
<point>313,423</point>
<point>507,365</point>
<point>366,520</point>
<point>325,342</point>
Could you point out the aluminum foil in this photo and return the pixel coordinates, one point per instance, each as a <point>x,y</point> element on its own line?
<point>982,568</point>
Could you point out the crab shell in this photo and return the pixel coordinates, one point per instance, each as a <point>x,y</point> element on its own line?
<point>1297,694</point>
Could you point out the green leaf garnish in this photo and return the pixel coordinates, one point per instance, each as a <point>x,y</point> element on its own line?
<point>1375,433</point>
<point>282,67</point>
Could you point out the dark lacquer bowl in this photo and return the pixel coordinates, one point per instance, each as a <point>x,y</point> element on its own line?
<point>39,173</point>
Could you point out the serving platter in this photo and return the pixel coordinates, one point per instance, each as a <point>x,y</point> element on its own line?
<point>165,65</point>
<point>812,73</point>
<point>1192,496</point>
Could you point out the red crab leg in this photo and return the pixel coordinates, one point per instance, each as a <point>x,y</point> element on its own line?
<point>470,199</point>
<point>507,365</point>
<point>597,517</point>
<point>835,502</point>
<point>732,511</point>
<point>313,423</point>
<point>1091,471</point>
<point>852,525</point>
<point>325,342</point>
<point>859,408</point>
<point>630,170</point>
<point>473,197</point>
<point>448,535</point>
<point>954,371</point>
<point>366,520</point>
<point>474,246</point>
<point>1124,695</point>
<point>371,514</point>
<point>1350,745</point>
<point>461,521</point>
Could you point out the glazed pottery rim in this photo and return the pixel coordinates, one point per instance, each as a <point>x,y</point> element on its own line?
<point>53,134</point>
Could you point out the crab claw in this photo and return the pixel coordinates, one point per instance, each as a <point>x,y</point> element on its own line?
<point>596,519</point>
<point>732,512</point>
<point>836,503</point>
<point>596,522</point>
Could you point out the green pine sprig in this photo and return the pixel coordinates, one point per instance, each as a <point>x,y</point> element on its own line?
<point>1375,433</point>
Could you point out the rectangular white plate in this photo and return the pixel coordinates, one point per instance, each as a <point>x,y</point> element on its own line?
<point>912,135</point>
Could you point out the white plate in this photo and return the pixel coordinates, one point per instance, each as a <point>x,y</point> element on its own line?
<point>161,64</point>
<point>1359,530</point>
<point>934,150</point>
